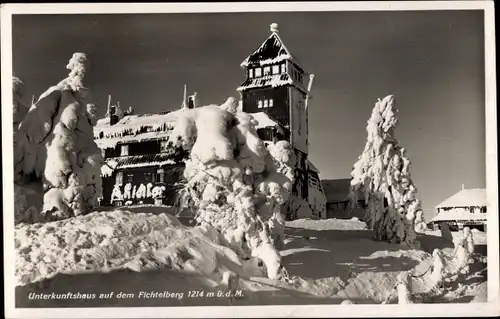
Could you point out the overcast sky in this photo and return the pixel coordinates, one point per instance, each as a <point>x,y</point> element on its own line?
<point>432,61</point>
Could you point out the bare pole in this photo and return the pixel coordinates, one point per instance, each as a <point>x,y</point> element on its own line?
<point>33,99</point>
<point>184,97</point>
<point>109,104</point>
<point>309,87</point>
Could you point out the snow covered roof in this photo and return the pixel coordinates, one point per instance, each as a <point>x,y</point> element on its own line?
<point>273,80</point>
<point>466,198</point>
<point>458,214</point>
<point>337,190</point>
<point>273,50</point>
<point>312,167</point>
<point>141,160</point>
<point>135,128</point>
<point>265,120</point>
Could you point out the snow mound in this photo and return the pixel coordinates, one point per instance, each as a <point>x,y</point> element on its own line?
<point>104,241</point>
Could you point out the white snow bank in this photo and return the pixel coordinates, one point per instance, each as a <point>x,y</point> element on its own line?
<point>104,241</point>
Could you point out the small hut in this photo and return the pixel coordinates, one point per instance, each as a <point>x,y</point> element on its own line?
<point>465,208</point>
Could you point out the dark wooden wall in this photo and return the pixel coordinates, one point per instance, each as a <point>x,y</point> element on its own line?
<point>281,108</point>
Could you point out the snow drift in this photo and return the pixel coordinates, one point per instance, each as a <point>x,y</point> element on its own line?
<point>233,182</point>
<point>55,148</point>
<point>105,241</point>
<point>382,172</point>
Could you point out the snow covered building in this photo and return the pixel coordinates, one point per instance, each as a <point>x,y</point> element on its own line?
<point>138,153</point>
<point>337,205</point>
<point>141,166</point>
<point>274,85</point>
<point>465,208</point>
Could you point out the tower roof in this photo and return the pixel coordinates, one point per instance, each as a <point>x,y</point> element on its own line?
<point>273,50</point>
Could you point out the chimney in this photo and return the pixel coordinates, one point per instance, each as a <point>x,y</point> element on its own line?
<point>463,186</point>
<point>184,98</point>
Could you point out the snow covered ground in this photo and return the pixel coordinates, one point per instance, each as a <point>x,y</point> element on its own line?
<point>328,262</point>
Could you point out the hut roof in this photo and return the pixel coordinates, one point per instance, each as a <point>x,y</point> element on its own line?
<point>458,214</point>
<point>466,198</point>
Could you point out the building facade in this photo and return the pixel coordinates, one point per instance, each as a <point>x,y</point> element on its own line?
<point>274,85</point>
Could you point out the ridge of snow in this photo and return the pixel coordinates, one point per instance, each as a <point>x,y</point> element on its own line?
<point>466,198</point>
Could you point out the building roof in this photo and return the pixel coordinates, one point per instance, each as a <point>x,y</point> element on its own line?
<point>337,190</point>
<point>135,128</point>
<point>466,198</point>
<point>312,167</point>
<point>458,214</point>
<point>272,80</point>
<point>142,160</point>
<point>271,51</point>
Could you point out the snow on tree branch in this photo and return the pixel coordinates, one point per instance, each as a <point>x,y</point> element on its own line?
<point>233,182</point>
<point>55,146</point>
<point>382,173</point>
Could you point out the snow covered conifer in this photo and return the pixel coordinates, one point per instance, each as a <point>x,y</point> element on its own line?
<point>233,183</point>
<point>382,173</point>
<point>57,148</point>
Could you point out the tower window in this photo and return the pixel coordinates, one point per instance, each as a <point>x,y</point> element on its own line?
<point>276,69</point>
<point>267,70</point>
<point>259,105</point>
<point>258,72</point>
<point>266,103</point>
<point>250,73</point>
<point>124,150</point>
<point>271,103</point>
<point>283,68</point>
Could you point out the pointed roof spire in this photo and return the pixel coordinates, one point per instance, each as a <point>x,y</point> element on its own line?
<point>273,50</point>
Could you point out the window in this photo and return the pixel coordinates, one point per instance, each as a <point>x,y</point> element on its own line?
<point>147,177</point>
<point>258,72</point>
<point>250,73</point>
<point>130,178</point>
<point>119,178</point>
<point>271,103</point>
<point>259,105</point>
<point>283,68</point>
<point>266,103</point>
<point>160,175</point>
<point>267,70</point>
<point>276,69</point>
<point>164,146</point>
<point>124,150</point>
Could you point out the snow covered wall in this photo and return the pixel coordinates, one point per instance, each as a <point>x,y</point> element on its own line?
<point>55,147</point>
<point>233,182</point>
<point>382,172</point>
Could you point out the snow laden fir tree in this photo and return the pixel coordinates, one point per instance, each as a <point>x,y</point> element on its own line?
<point>54,146</point>
<point>382,173</point>
<point>234,183</point>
